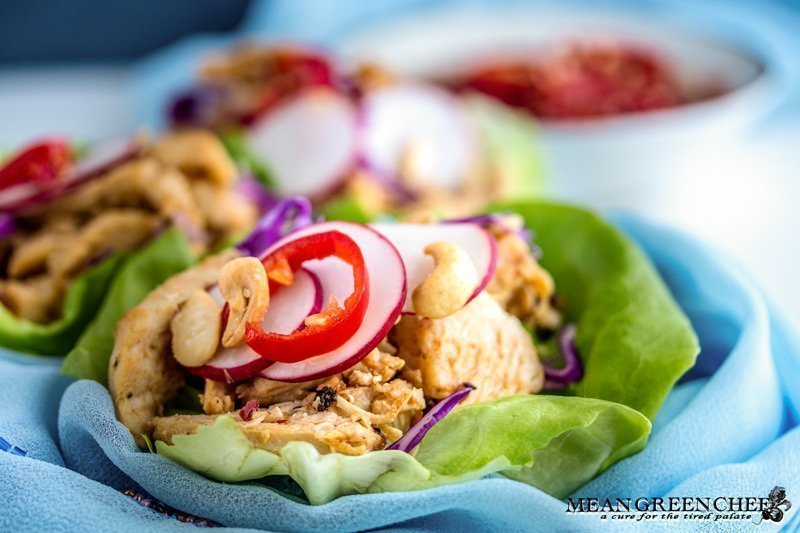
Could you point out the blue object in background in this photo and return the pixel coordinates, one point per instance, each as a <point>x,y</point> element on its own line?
<point>98,30</point>
<point>729,429</point>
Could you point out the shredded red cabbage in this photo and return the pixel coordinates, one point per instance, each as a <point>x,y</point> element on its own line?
<point>496,219</point>
<point>414,435</point>
<point>7,225</point>
<point>287,216</point>
<point>255,192</point>
<point>573,369</point>
<point>195,106</point>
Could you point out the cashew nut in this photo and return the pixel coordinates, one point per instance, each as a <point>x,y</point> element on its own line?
<point>243,283</point>
<point>448,287</point>
<point>195,330</point>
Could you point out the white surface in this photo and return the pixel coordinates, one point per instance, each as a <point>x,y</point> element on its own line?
<point>741,196</point>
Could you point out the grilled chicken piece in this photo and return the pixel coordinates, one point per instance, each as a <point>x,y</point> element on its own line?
<point>520,284</point>
<point>142,373</point>
<point>481,344</point>
<point>30,255</point>
<point>111,231</point>
<point>142,183</point>
<point>198,154</point>
<point>36,299</point>
<point>225,211</point>
<point>217,398</point>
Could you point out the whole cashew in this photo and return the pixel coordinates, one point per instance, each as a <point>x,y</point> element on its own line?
<point>195,330</point>
<point>448,287</point>
<point>243,283</point>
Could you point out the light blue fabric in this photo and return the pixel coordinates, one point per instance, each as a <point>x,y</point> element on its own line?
<point>729,429</point>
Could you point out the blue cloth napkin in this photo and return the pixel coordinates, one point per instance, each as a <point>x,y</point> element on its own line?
<point>728,429</point>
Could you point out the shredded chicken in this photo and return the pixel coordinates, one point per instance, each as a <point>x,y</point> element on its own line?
<point>480,344</point>
<point>520,284</point>
<point>357,421</point>
<point>35,299</point>
<point>184,180</point>
<point>272,428</point>
<point>351,413</point>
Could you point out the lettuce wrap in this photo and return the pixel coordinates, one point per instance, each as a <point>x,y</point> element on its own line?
<point>139,273</point>
<point>634,341</point>
<point>83,297</point>
<point>117,282</point>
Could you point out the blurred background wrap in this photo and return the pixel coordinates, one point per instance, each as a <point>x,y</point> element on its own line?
<point>723,172</point>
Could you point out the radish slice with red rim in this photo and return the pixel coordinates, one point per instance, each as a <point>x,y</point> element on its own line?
<point>290,305</point>
<point>387,292</point>
<point>100,158</point>
<point>288,309</point>
<point>420,127</point>
<point>309,143</point>
<point>411,240</point>
<point>335,277</point>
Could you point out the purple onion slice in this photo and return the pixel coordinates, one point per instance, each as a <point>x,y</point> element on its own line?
<point>414,435</point>
<point>7,226</point>
<point>289,215</point>
<point>573,369</point>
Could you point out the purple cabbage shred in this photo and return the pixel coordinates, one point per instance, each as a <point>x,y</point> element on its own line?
<point>290,214</point>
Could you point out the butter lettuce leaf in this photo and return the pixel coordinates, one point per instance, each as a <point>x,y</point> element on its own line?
<point>511,155</point>
<point>633,338</point>
<point>513,435</point>
<point>555,443</point>
<point>140,273</point>
<point>83,297</point>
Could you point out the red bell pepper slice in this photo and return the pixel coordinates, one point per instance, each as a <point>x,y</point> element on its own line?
<point>324,331</point>
<point>41,162</point>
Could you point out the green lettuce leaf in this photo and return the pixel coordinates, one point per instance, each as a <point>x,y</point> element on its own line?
<point>468,444</point>
<point>345,208</point>
<point>80,304</point>
<point>555,443</point>
<point>635,342</point>
<point>512,159</point>
<point>632,336</point>
<point>235,142</point>
<point>140,273</point>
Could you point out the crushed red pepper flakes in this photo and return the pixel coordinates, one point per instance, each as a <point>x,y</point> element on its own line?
<point>246,413</point>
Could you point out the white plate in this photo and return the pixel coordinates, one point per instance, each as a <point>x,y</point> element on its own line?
<point>615,162</point>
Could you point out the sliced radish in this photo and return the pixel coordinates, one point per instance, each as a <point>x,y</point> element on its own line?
<point>421,128</point>
<point>288,308</point>
<point>101,158</point>
<point>387,292</point>
<point>411,240</point>
<point>335,277</point>
<point>20,197</point>
<point>309,143</point>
